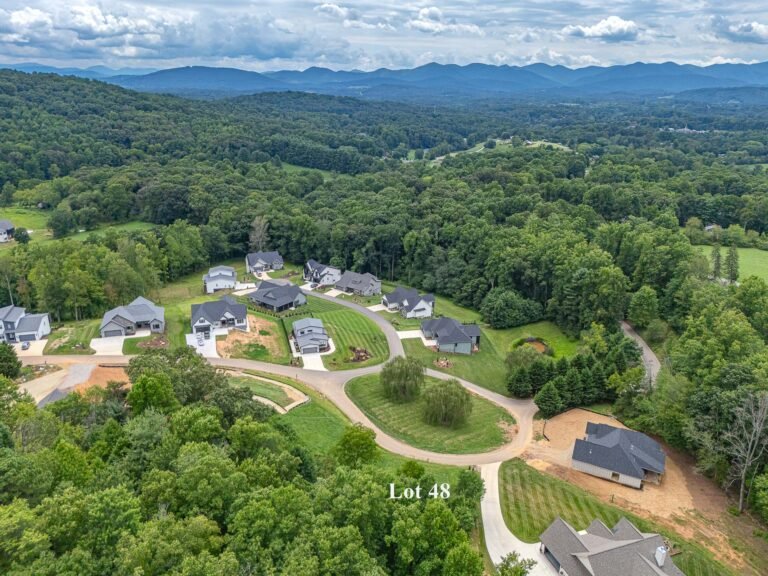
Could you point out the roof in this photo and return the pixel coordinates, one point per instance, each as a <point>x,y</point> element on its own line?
<point>602,551</point>
<point>221,271</point>
<point>408,298</point>
<point>272,294</point>
<point>624,451</point>
<point>215,310</point>
<point>11,314</point>
<point>450,331</point>
<point>318,337</point>
<point>140,310</point>
<point>305,323</point>
<point>6,225</point>
<point>356,281</point>
<point>266,257</point>
<point>30,322</point>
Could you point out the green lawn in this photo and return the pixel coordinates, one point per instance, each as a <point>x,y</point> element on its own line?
<point>73,337</point>
<point>481,433</point>
<point>531,500</point>
<point>752,262</point>
<point>443,307</point>
<point>263,389</point>
<point>131,345</point>
<point>292,272</point>
<point>190,287</point>
<point>178,320</point>
<point>561,345</point>
<point>126,227</point>
<point>35,221</point>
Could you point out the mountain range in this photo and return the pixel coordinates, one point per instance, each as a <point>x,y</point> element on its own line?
<point>442,83</point>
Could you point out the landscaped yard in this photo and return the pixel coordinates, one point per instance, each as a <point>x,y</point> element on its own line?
<point>292,272</point>
<point>190,287</point>
<point>263,389</point>
<point>73,337</point>
<point>531,500</point>
<point>503,340</point>
<point>752,262</point>
<point>132,346</point>
<point>486,429</point>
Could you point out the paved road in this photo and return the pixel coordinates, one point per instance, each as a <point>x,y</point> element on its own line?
<point>650,360</point>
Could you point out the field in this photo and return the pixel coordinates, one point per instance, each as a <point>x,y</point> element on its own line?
<point>752,262</point>
<point>443,307</point>
<point>263,389</point>
<point>560,344</point>
<point>485,429</point>
<point>127,227</point>
<point>35,221</point>
<point>531,500</point>
<point>266,341</point>
<point>292,272</point>
<point>348,329</point>
<point>73,338</point>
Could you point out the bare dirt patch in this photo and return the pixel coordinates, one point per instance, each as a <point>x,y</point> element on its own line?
<point>262,332</point>
<point>156,342</point>
<point>101,375</point>
<point>510,430</point>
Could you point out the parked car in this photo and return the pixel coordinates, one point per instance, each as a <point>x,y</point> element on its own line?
<point>314,285</point>
<point>25,345</point>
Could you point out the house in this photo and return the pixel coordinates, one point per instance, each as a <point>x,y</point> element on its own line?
<point>126,320</point>
<point>410,303</point>
<point>310,336</point>
<point>6,230</point>
<point>18,326</point>
<point>225,313</point>
<point>277,297</point>
<point>317,273</point>
<point>219,278</point>
<point>602,551</point>
<point>258,262</point>
<point>451,335</point>
<point>359,284</point>
<point>624,456</point>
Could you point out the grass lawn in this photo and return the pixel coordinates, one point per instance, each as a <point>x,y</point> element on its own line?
<point>190,287</point>
<point>292,272</point>
<point>531,500</point>
<point>178,320</point>
<point>560,344</point>
<point>126,227</point>
<point>263,389</point>
<point>752,262</point>
<point>481,433</point>
<point>73,338</point>
<point>131,345</point>
<point>35,221</point>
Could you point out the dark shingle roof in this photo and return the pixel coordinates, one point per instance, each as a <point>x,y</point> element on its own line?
<point>6,225</point>
<point>355,281</point>
<point>402,295</point>
<point>450,331</point>
<point>267,257</point>
<point>625,451</point>
<point>140,310</point>
<point>30,322</point>
<point>215,310</point>
<point>272,294</point>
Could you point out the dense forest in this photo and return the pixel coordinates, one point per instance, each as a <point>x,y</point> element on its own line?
<point>587,232</point>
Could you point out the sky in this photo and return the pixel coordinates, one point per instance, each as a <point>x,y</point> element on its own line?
<point>368,34</point>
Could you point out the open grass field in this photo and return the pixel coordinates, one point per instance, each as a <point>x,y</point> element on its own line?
<point>485,429</point>
<point>558,341</point>
<point>531,500</point>
<point>190,287</point>
<point>292,272</point>
<point>73,337</point>
<point>263,389</point>
<point>127,227</point>
<point>35,221</point>
<point>752,262</point>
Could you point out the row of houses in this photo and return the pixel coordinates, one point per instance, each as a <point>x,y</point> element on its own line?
<point>349,282</point>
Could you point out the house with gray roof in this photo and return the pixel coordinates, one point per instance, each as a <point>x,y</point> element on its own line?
<point>310,336</point>
<point>321,274</point>
<point>624,456</point>
<point>223,314</point>
<point>359,284</point>
<point>18,326</point>
<point>451,335</point>
<point>277,297</point>
<point>409,303</point>
<point>6,230</point>
<point>219,278</point>
<point>602,551</point>
<point>258,262</point>
<point>141,314</point>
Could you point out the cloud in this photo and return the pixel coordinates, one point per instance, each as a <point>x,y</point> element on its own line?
<point>352,18</point>
<point>743,32</point>
<point>430,20</point>
<point>336,11</point>
<point>611,29</point>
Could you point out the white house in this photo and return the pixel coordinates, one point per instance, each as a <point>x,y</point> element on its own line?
<point>409,303</point>
<point>225,314</point>
<point>258,262</point>
<point>321,274</point>
<point>219,278</point>
<point>126,320</point>
<point>18,326</point>
<point>6,230</point>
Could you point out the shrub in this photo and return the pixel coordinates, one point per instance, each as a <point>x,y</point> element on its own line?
<point>447,404</point>
<point>402,379</point>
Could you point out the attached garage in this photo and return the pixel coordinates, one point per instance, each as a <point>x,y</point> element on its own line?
<point>26,337</point>
<point>110,333</point>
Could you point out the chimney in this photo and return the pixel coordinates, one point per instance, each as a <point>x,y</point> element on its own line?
<point>661,555</point>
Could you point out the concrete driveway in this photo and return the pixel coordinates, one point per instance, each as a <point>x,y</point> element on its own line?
<point>377,308</point>
<point>208,349</point>
<point>113,346</point>
<point>35,348</point>
<point>408,334</point>
<point>333,293</point>
<point>313,362</point>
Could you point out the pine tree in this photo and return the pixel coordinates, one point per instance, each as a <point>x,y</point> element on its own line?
<point>732,263</point>
<point>538,374</point>
<point>548,400</point>
<point>717,271</point>
<point>519,384</point>
<point>573,391</point>
<point>562,366</point>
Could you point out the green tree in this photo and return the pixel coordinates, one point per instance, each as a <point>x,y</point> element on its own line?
<point>513,565</point>
<point>357,446</point>
<point>21,235</point>
<point>505,309</point>
<point>732,263</point>
<point>643,307</point>
<point>548,400</point>
<point>519,383</point>
<point>717,262</point>
<point>463,561</point>
<point>152,391</point>
<point>447,403</point>
<point>402,378</point>
<point>10,365</point>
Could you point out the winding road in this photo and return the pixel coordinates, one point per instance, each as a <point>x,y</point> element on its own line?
<point>499,540</point>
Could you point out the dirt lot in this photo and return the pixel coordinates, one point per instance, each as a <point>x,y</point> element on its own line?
<point>101,375</point>
<point>685,501</point>
<point>228,347</point>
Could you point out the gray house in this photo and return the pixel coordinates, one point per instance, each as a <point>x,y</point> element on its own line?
<point>277,297</point>
<point>310,336</point>
<point>624,456</point>
<point>451,335</point>
<point>602,551</point>
<point>225,313</point>
<point>322,274</point>
<point>409,303</point>
<point>257,262</point>
<point>219,278</point>
<point>6,230</point>
<point>126,320</point>
<point>18,326</point>
<point>359,284</point>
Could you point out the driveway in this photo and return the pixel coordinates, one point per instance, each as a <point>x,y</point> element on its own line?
<point>333,293</point>
<point>650,360</point>
<point>35,348</point>
<point>377,308</point>
<point>208,349</point>
<point>410,334</point>
<point>113,346</point>
<point>313,362</point>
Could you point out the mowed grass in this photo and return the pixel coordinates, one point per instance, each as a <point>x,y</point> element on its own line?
<point>531,500</point>
<point>292,272</point>
<point>125,227</point>
<point>558,341</point>
<point>262,389</point>
<point>131,345</point>
<point>483,431</point>
<point>35,221</point>
<point>752,262</point>
<point>73,337</point>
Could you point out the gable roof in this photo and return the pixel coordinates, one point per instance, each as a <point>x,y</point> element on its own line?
<point>140,310</point>
<point>215,310</point>
<point>602,551</point>
<point>305,323</point>
<point>6,225</point>
<point>273,294</point>
<point>30,322</point>
<point>408,298</point>
<point>318,336</point>
<point>265,257</point>
<point>220,272</point>
<point>356,281</point>
<point>624,451</point>
<point>450,331</point>
<point>11,313</point>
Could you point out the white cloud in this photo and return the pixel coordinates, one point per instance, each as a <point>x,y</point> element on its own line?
<point>335,11</point>
<point>611,29</point>
<point>746,32</point>
<point>431,21</point>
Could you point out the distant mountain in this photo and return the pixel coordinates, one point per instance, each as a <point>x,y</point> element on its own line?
<point>94,72</point>
<point>747,96</point>
<point>441,83</point>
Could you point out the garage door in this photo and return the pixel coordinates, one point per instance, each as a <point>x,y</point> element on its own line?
<point>310,350</point>
<point>110,333</point>
<point>26,337</point>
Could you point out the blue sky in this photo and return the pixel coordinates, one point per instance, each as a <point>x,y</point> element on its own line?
<point>282,34</point>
